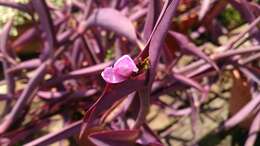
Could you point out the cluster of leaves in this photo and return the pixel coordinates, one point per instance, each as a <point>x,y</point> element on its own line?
<point>73,42</point>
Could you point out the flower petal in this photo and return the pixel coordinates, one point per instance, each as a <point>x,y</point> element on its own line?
<point>111,77</point>
<point>125,66</point>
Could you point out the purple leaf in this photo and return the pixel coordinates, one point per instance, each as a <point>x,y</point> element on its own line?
<point>158,35</point>
<point>242,114</point>
<point>149,137</point>
<point>27,93</point>
<point>32,34</point>
<point>75,53</point>
<point>153,46</point>
<point>180,112</point>
<point>254,130</point>
<point>95,69</point>
<point>113,20</point>
<point>9,78</point>
<point>27,36</point>
<point>244,9</point>
<point>27,131</point>
<point>47,26</point>
<point>151,18</point>
<point>250,75</point>
<point>138,15</point>
<point>144,97</point>
<point>188,81</point>
<point>68,131</point>
<point>115,138</point>
<point>111,94</point>
<point>46,95</point>
<point>205,6</point>
<point>186,45</point>
<point>218,7</point>
<point>29,64</point>
<point>8,54</point>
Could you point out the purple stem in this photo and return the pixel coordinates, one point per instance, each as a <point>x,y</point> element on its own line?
<point>29,64</point>
<point>78,73</point>
<point>9,78</point>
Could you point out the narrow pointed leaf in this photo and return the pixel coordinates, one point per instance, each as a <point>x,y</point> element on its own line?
<point>83,72</point>
<point>242,114</point>
<point>188,81</point>
<point>25,37</point>
<point>151,18</point>
<point>115,138</point>
<point>250,75</point>
<point>111,94</point>
<point>48,139</point>
<point>188,46</point>
<point>205,6</point>
<point>47,25</point>
<point>153,47</point>
<point>29,64</point>
<point>9,78</point>
<point>254,131</point>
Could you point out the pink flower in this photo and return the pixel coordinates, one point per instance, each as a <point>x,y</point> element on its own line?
<point>122,69</point>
